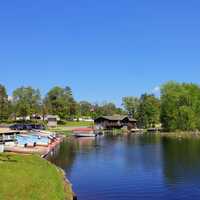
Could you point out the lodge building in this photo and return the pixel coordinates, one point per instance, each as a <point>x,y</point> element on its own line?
<point>115,122</point>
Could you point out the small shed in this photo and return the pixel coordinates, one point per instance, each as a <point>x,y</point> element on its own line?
<point>52,120</point>
<point>115,122</point>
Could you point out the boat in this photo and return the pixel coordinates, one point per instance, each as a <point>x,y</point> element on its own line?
<point>135,130</point>
<point>84,132</point>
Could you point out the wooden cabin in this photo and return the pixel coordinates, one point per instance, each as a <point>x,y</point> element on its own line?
<point>115,122</point>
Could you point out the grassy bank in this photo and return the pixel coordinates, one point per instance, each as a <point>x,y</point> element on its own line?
<point>30,177</point>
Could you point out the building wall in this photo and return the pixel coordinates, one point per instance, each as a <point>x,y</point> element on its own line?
<point>52,122</point>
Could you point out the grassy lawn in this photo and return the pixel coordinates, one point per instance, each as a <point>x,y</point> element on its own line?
<point>76,124</point>
<point>61,131</point>
<point>30,177</point>
<point>67,128</point>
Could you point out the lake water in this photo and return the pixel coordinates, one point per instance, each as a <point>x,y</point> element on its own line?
<point>131,167</point>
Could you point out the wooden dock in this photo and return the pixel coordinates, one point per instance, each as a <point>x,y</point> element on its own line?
<point>7,135</point>
<point>8,131</point>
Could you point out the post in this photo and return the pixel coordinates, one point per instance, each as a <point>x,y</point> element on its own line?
<point>1,147</point>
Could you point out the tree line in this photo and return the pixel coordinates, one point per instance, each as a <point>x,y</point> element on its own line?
<point>177,108</point>
<point>27,101</point>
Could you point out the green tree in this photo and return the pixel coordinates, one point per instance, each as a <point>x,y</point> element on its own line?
<point>26,101</point>
<point>149,111</point>
<point>72,104</point>
<point>85,108</point>
<point>60,101</point>
<point>180,106</point>
<point>131,105</point>
<point>106,109</point>
<point>186,119</point>
<point>169,112</point>
<point>4,104</point>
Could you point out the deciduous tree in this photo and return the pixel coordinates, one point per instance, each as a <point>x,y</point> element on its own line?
<point>131,105</point>
<point>4,104</point>
<point>149,111</point>
<point>26,101</point>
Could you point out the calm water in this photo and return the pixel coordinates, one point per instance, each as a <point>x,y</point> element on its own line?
<point>131,167</point>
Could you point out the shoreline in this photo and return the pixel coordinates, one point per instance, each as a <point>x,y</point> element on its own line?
<point>174,135</point>
<point>68,186</point>
<point>181,135</point>
<point>43,152</point>
<point>67,183</point>
<point>42,172</point>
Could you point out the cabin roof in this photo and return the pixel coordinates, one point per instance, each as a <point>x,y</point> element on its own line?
<point>116,118</point>
<point>47,117</point>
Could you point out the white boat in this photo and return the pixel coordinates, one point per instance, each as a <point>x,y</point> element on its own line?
<point>84,134</point>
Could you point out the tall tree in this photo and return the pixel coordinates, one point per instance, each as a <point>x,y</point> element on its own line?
<point>106,108</point>
<point>72,104</point>
<point>149,111</point>
<point>180,106</point>
<point>85,108</point>
<point>26,101</point>
<point>109,108</point>
<point>131,105</point>
<point>4,104</point>
<point>60,101</point>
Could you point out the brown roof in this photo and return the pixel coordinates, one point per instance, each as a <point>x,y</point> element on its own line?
<point>117,118</point>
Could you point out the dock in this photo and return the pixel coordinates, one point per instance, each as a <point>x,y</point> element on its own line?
<point>8,143</point>
<point>7,135</point>
<point>8,131</point>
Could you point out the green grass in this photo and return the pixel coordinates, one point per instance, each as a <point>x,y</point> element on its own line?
<point>66,129</point>
<point>76,124</point>
<point>62,130</point>
<point>31,178</point>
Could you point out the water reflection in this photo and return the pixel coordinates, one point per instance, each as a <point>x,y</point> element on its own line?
<point>143,151</point>
<point>131,167</point>
<point>64,155</point>
<point>181,160</point>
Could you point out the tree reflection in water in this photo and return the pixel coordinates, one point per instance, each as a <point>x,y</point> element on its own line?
<point>181,160</point>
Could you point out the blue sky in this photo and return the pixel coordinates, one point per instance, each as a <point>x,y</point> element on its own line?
<point>103,49</point>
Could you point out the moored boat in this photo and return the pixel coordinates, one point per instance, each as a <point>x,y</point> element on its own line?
<point>84,132</point>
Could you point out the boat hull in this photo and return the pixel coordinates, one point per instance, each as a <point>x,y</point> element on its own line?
<point>84,134</point>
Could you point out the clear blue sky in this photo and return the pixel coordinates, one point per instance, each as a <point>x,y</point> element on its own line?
<point>103,49</point>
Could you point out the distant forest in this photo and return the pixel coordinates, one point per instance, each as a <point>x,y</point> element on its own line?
<point>177,108</point>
